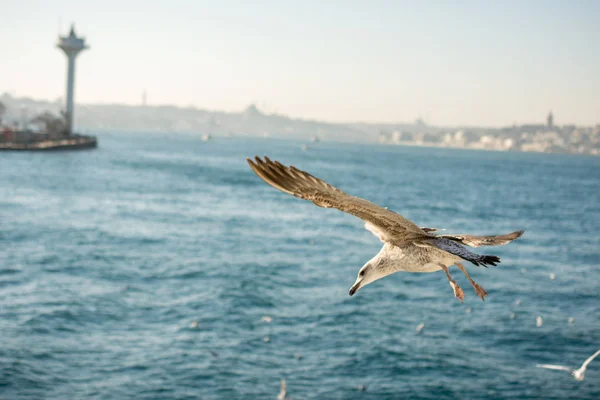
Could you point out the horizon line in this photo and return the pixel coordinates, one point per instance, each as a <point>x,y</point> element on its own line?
<point>307,119</point>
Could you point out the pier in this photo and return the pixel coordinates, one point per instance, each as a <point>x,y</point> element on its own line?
<point>73,142</point>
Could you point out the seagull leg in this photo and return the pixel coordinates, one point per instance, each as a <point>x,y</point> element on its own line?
<point>478,289</point>
<point>458,292</point>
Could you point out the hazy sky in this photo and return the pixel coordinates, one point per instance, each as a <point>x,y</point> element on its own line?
<point>450,62</point>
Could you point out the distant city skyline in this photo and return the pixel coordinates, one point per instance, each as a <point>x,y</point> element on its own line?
<point>449,63</point>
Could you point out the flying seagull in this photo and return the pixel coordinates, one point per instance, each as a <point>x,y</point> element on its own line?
<point>406,247</point>
<point>578,374</point>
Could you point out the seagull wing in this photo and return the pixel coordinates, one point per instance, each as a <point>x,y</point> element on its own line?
<point>283,391</point>
<point>476,241</point>
<point>558,367</point>
<point>391,226</point>
<point>589,360</point>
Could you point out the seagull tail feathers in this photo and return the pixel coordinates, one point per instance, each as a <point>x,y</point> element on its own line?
<point>485,260</point>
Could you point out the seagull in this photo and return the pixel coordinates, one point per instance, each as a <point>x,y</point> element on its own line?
<point>578,374</point>
<point>406,246</point>
<point>283,391</point>
<point>420,328</point>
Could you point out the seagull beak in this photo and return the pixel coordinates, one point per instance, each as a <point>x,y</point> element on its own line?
<point>354,288</point>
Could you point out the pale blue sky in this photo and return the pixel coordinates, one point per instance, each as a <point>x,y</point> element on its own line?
<point>451,62</point>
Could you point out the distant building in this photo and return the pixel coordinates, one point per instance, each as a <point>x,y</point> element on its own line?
<point>550,121</point>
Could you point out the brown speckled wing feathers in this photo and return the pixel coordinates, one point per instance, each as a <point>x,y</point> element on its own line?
<point>305,186</point>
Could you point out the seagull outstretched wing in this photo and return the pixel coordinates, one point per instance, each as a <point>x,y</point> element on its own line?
<point>557,367</point>
<point>393,227</point>
<point>589,360</point>
<point>476,241</point>
<point>283,391</point>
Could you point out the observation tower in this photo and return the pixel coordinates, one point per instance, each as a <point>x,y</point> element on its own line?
<point>72,46</point>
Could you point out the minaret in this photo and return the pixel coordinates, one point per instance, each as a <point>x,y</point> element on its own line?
<point>71,45</point>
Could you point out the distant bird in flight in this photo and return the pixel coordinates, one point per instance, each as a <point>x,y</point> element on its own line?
<point>406,247</point>
<point>578,374</point>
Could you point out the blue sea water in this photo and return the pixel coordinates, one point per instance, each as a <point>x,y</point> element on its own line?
<point>107,258</point>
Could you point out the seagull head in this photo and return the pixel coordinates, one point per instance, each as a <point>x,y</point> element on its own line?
<point>370,272</point>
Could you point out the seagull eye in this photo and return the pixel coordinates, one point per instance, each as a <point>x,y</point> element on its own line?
<point>361,273</point>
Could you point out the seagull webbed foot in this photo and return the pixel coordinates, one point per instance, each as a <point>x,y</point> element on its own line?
<point>478,289</point>
<point>458,292</point>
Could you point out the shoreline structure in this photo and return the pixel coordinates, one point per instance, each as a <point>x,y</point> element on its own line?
<point>61,136</point>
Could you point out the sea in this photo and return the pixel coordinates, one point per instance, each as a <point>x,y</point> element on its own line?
<point>159,266</point>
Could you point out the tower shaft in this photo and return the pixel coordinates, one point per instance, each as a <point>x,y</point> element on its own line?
<point>70,94</point>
